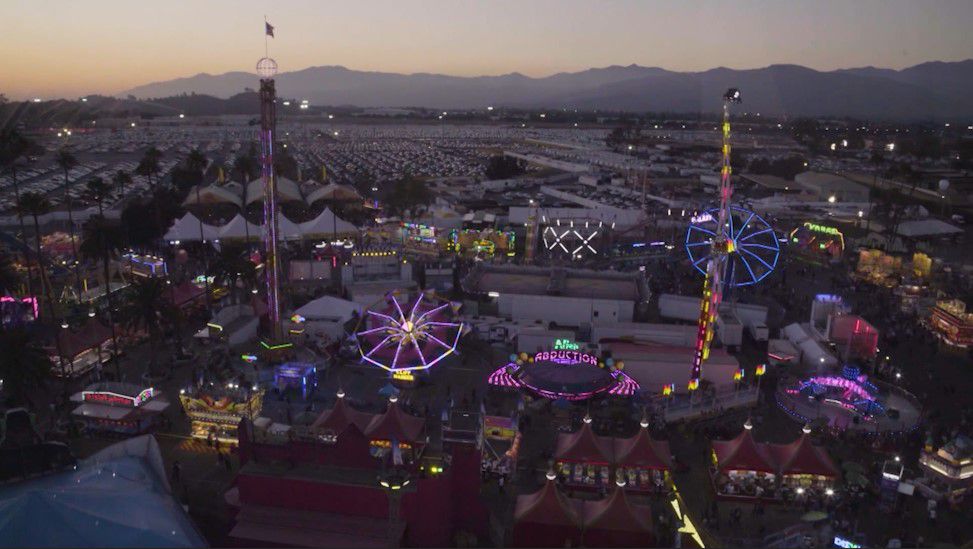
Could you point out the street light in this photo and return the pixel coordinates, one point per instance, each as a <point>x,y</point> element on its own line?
<point>393,481</point>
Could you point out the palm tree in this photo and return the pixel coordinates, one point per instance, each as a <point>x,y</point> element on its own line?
<point>102,240</point>
<point>36,204</point>
<point>13,147</point>
<point>99,191</point>
<point>9,277</point>
<point>122,178</point>
<point>196,160</point>
<point>66,160</point>
<point>25,365</point>
<point>149,167</point>
<point>144,311</point>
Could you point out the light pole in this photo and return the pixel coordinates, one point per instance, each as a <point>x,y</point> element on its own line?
<point>393,481</point>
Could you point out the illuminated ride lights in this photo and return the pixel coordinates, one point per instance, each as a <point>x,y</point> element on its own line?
<point>572,239</point>
<point>564,374</point>
<point>408,337</point>
<point>853,393</point>
<point>750,248</point>
<point>736,245</point>
<point>118,399</point>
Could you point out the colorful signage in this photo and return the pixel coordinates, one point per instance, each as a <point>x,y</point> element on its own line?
<point>116,399</point>
<point>566,344</point>
<point>815,228</point>
<point>499,427</point>
<point>566,357</point>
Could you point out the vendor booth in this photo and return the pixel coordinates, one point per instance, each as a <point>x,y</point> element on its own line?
<point>804,467</point>
<point>120,408</point>
<point>743,468</point>
<point>299,376</point>
<point>950,321</point>
<point>583,459</point>
<point>81,351</point>
<point>395,426</point>
<point>642,462</point>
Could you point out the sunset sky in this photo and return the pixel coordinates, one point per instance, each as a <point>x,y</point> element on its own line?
<point>59,48</point>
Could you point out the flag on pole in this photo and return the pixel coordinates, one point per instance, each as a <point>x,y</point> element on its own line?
<point>270,29</point>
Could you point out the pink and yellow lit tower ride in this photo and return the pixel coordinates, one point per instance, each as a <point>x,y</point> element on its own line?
<point>266,69</point>
<point>721,248</point>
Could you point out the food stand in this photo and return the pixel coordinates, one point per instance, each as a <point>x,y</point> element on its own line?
<point>583,458</point>
<point>215,412</point>
<point>146,266</point>
<point>120,408</point>
<point>78,352</point>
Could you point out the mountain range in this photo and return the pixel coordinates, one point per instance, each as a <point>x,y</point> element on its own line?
<point>937,90</point>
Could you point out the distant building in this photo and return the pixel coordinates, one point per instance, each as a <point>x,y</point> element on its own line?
<point>825,185</point>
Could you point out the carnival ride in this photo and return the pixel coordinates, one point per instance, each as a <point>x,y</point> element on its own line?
<point>402,336</point>
<point>737,247</point>
<point>564,374</point>
<point>575,239</point>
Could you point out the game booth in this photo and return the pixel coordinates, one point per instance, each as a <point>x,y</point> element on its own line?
<point>642,462</point>
<point>215,411</point>
<point>583,459</point>
<point>818,242</point>
<point>395,426</point>
<point>299,376</point>
<point>482,242</point>
<point>17,311</point>
<point>501,445</point>
<point>743,468</point>
<point>81,350</point>
<point>419,238</point>
<point>950,321</point>
<point>145,266</point>
<point>120,408</point>
<point>804,467</point>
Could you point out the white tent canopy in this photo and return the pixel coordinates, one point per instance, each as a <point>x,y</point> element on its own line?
<point>212,194</point>
<point>926,227</point>
<point>188,228</point>
<point>287,229</point>
<point>238,227</point>
<point>329,308</point>
<point>327,223</point>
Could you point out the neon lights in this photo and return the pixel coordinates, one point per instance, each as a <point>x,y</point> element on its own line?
<point>214,326</point>
<point>510,376</point>
<point>403,375</point>
<point>31,300</point>
<point>566,344</point>
<point>117,399</point>
<point>668,389</point>
<point>760,370</point>
<point>298,319</point>
<point>570,241</point>
<point>276,346</point>
<point>566,357</point>
<point>249,359</point>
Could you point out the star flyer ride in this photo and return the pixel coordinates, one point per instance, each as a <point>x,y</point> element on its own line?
<point>737,247</point>
<point>403,337</point>
<point>565,374</point>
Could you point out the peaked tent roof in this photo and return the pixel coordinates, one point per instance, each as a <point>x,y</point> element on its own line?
<point>334,192</point>
<point>583,445</point>
<point>287,229</point>
<point>643,451</point>
<point>546,506</point>
<point>119,497</point>
<point>212,194</point>
<point>187,228</point>
<point>238,228</point>
<point>743,454</point>
<point>327,223</point>
<point>801,457</point>
<point>338,418</point>
<point>287,191</point>
<point>617,513</point>
<point>395,423</point>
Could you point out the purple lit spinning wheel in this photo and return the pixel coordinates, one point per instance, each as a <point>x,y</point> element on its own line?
<point>408,335</point>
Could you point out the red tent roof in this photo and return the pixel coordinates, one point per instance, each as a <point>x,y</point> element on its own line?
<point>617,514</point>
<point>92,334</point>
<point>395,423</point>
<point>643,451</point>
<point>744,454</point>
<point>546,506</point>
<point>801,457</point>
<point>338,419</point>
<point>583,445</point>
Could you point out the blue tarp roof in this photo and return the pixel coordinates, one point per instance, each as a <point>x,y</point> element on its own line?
<point>113,501</point>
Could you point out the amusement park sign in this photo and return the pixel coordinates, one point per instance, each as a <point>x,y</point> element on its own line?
<point>566,357</point>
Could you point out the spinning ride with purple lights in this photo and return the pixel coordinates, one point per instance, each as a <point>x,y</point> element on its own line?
<point>408,336</point>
